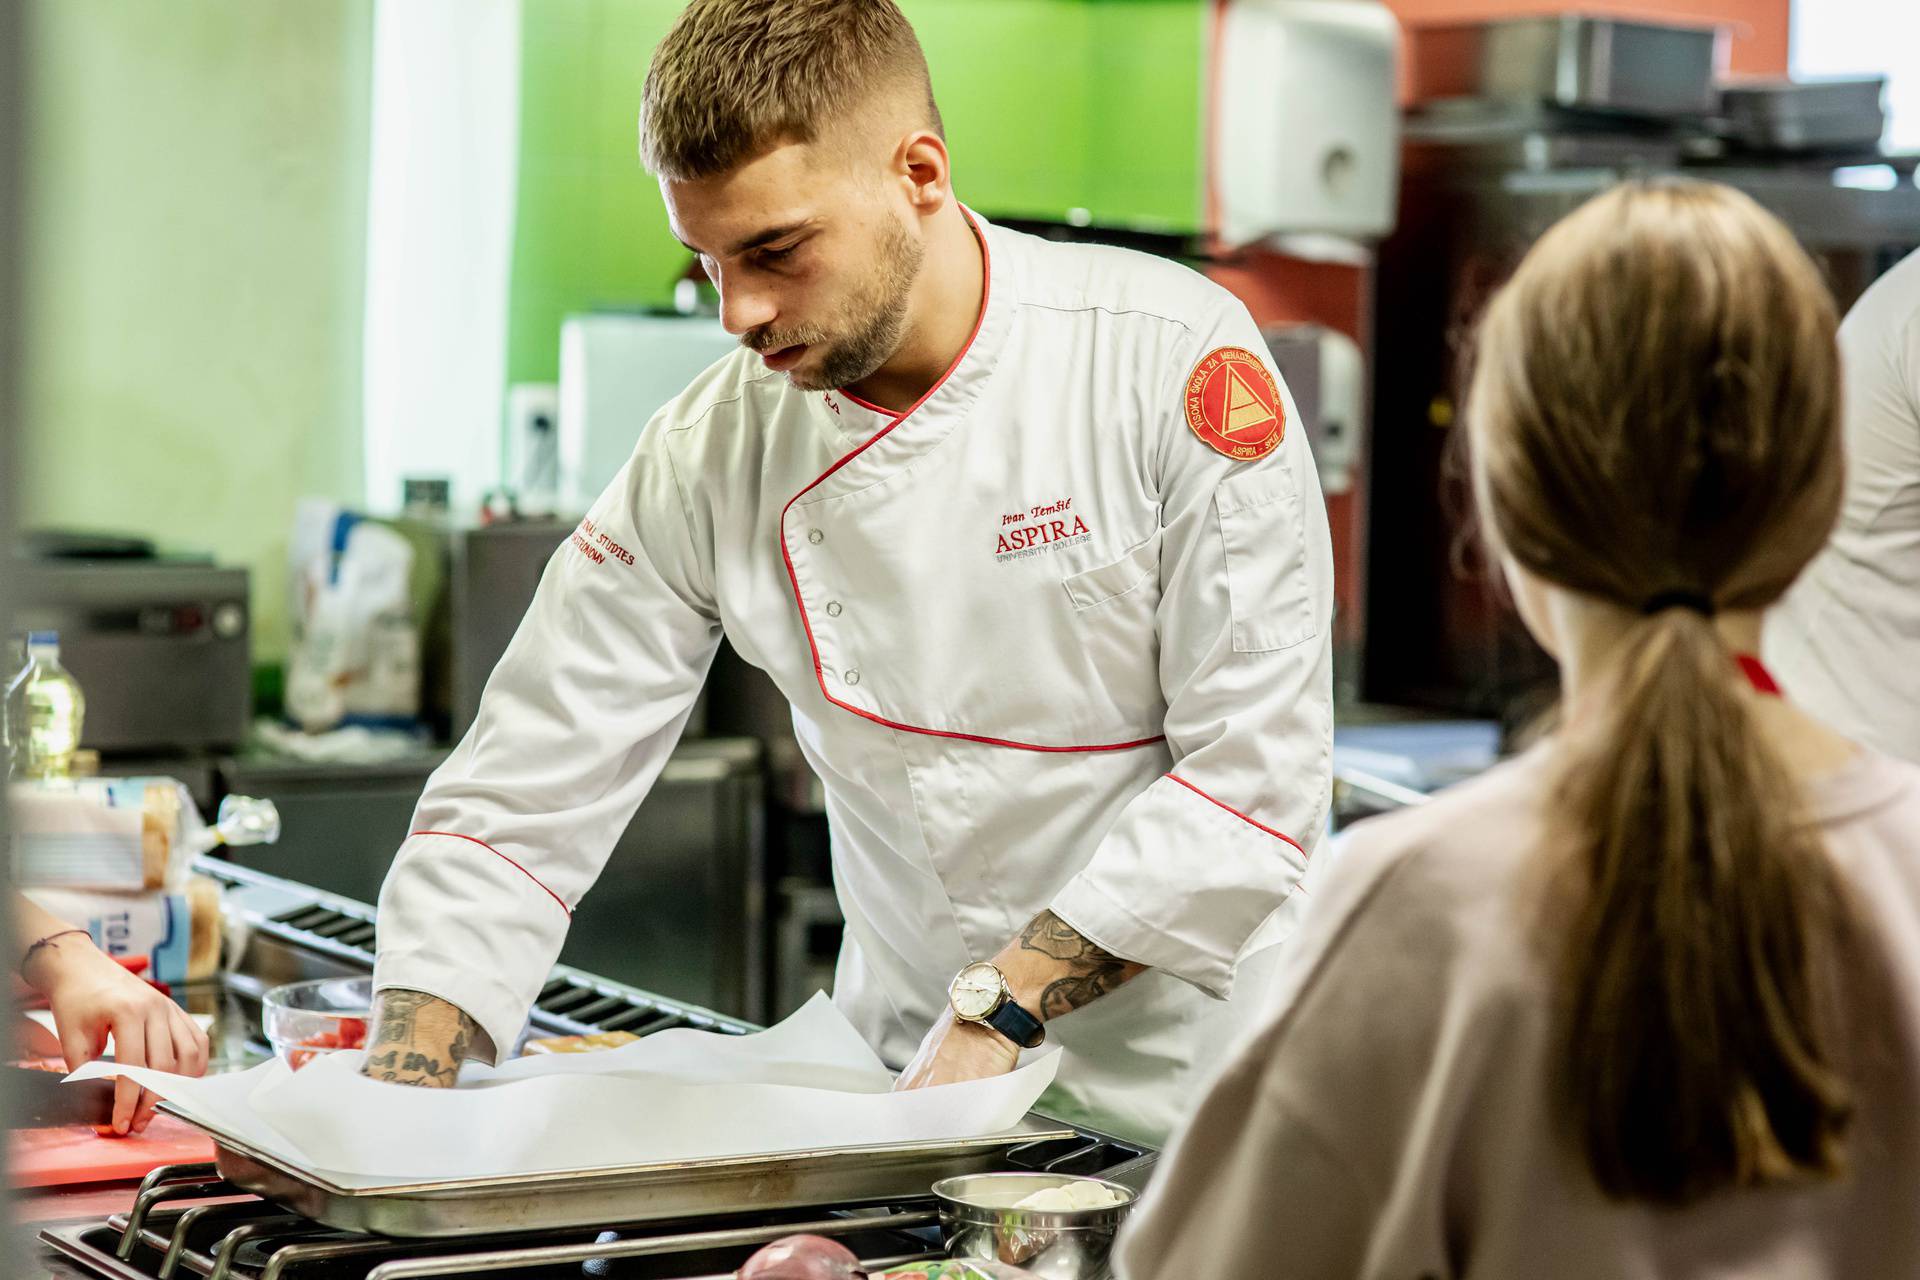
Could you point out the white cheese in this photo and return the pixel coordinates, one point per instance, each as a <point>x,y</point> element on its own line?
<point>1070,1196</point>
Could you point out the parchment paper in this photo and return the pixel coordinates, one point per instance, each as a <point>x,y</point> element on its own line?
<point>810,1083</point>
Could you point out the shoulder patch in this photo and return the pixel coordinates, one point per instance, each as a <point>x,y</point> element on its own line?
<point>1234,405</point>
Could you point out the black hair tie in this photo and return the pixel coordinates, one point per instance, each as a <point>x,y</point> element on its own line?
<point>1693,601</point>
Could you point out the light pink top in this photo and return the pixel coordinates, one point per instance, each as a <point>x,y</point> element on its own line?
<point>1394,1119</point>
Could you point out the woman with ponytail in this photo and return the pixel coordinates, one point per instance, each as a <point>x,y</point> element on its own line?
<point>1645,1001</point>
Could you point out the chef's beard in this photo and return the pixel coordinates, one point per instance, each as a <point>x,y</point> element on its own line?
<point>873,323</point>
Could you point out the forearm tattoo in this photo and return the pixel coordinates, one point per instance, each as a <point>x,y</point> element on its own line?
<point>1093,972</point>
<point>394,1055</point>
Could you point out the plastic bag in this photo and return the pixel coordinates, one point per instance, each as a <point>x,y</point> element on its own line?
<point>122,834</point>
<point>179,934</point>
<point>356,647</point>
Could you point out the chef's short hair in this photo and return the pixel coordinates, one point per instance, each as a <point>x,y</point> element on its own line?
<point>735,78</point>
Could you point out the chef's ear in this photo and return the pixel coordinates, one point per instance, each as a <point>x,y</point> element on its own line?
<point>922,165</point>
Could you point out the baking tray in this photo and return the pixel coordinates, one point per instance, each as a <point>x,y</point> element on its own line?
<point>1805,115</point>
<point>623,1194</point>
<point>1571,60</point>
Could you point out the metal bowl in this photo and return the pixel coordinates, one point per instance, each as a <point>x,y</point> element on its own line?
<point>978,1220</point>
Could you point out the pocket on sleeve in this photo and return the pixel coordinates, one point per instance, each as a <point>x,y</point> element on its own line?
<point>1263,540</point>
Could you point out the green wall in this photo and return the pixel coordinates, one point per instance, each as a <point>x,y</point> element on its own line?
<point>197,221</point>
<point>1050,105</point>
<point>195,230</point>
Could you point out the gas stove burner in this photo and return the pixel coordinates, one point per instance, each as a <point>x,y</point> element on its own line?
<point>187,1220</point>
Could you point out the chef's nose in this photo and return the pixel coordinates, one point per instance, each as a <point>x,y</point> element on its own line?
<point>745,307</point>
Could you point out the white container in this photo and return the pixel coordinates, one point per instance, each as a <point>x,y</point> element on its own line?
<point>616,372</point>
<point>1305,136</point>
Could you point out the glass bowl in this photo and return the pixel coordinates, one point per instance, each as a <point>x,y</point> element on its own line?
<point>303,1020</point>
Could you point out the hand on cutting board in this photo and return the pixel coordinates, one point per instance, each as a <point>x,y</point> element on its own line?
<point>92,997</point>
<point>954,1051</point>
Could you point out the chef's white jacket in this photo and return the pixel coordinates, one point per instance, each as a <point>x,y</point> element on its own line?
<point>1045,648</point>
<point>1845,643</point>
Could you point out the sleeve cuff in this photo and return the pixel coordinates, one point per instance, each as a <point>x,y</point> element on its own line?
<point>459,921</point>
<point>1182,884</point>
<point>500,1011</point>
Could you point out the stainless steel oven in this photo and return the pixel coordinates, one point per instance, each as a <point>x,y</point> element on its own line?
<point>160,648</point>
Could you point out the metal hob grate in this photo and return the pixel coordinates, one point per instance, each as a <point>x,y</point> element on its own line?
<point>187,1221</point>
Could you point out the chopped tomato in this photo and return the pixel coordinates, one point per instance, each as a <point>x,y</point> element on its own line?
<point>351,1034</point>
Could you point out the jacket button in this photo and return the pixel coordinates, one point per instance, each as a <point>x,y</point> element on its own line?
<point>816,537</point>
<point>833,608</point>
<point>853,677</point>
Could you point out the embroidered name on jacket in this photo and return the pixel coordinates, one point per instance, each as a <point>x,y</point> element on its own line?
<point>1039,530</point>
<point>597,546</point>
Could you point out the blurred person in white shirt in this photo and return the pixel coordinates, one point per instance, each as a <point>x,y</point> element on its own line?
<point>1846,641</point>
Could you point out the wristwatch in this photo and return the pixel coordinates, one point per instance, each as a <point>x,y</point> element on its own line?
<point>979,994</point>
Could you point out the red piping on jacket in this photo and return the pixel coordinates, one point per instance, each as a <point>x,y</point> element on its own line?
<point>496,853</point>
<point>1236,813</point>
<point>986,293</point>
<point>888,413</point>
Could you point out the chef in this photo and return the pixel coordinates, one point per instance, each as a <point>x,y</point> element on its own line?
<point>1847,639</point>
<point>1028,534</point>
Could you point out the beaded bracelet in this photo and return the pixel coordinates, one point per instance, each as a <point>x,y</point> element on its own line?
<point>44,942</point>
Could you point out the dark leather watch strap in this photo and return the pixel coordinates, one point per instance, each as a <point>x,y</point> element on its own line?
<point>1016,1024</point>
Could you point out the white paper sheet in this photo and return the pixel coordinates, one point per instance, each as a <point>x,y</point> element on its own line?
<point>810,1083</point>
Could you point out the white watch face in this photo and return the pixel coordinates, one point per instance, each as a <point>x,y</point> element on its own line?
<point>975,991</point>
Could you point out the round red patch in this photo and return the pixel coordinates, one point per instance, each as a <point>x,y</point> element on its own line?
<point>1234,405</point>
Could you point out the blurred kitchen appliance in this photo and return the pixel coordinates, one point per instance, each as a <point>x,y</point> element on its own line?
<point>616,371</point>
<point>681,905</point>
<point>1483,179</point>
<point>1809,115</point>
<point>1305,134</point>
<point>493,571</point>
<point>533,446</point>
<point>159,644</point>
<point>1325,374</point>
<point>1569,60</point>
<point>479,583</point>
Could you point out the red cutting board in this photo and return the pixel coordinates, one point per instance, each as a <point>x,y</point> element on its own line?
<point>75,1153</point>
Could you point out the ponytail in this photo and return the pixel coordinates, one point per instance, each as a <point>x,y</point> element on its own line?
<point>1707,928</point>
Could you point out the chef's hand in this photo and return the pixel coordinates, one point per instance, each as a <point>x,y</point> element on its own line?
<point>421,1040</point>
<point>92,996</point>
<point>954,1051</point>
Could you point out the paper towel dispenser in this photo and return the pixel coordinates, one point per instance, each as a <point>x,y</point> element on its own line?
<point>1305,135</point>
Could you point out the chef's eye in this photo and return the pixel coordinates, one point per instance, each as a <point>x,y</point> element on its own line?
<point>774,257</point>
